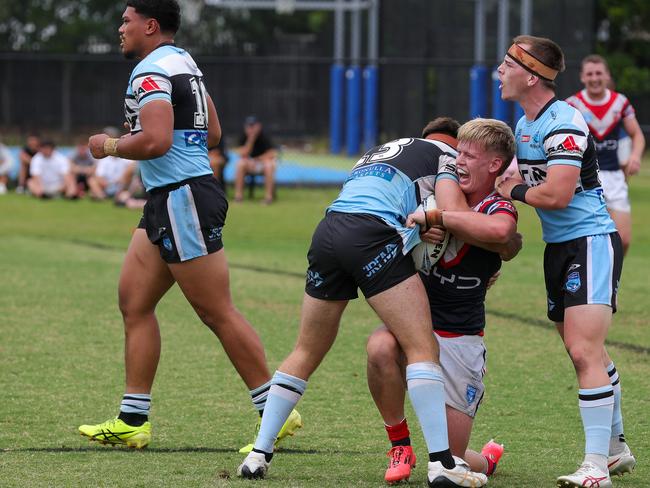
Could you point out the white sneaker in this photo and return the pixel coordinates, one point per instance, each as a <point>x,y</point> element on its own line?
<point>621,463</point>
<point>254,466</point>
<point>587,476</point>
<point>441,477</point>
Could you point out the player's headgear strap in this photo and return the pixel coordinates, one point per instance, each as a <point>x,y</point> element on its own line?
<point>530,63</point>
<point>437,136</point>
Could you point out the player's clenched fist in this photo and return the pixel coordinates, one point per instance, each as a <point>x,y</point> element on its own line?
<point>96,145</point>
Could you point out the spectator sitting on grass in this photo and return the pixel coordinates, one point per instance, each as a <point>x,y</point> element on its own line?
<point>218,159</point>
<point>6,163</point>
<point>32,145</point>
<point>133,195</point>
<point>83,164</point>
<point>50,173</point>
<point>107,180</point>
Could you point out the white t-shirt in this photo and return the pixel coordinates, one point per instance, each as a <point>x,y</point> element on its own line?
<point>112,168</point>
<point>51,170</point>
<point>6,160</point>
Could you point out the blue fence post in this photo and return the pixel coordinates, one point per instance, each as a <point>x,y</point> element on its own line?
<point>371,82</point>
<point>353,110</point>
<point>478,91</point>
<point>501,109</point>
<point>337,86</point>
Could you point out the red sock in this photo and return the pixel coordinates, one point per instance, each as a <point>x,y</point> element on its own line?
<point>399,434</point>
<point>492,466</point>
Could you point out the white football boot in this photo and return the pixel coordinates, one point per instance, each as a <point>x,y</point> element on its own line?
<point>587,476</point>
<point>254,466</point>
<point>441,477</point>
<point>622,462</point>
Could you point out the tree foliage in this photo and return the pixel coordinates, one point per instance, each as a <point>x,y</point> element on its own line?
<point>90,26</point>
<point>59,25</point>
<point>624,40</point>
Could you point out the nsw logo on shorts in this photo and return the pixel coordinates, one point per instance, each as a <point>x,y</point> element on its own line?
<point>196,138</point>
<point>573,282</point>
<point>470,394</point>
<point>167,243</point>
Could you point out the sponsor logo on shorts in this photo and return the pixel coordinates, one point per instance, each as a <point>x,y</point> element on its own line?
<point>196,138</point>
<point>573,282</point>
<point>574,266</point>
<point>214,234</point>
<point>384,257</point>
<point>314,278</point>
<point>470,394</point>
<point>551,304</point>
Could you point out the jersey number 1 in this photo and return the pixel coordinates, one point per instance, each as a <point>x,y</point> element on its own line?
<point>201,114</point>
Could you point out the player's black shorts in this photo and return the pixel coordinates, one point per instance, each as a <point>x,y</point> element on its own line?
<point>355,250</point>
<point>185,219</point>
<point>582,271</point>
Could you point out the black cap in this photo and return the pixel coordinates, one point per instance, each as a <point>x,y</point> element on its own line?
<point>251,120</point>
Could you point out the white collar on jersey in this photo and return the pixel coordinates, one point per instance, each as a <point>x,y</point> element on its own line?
<point>591,101</point>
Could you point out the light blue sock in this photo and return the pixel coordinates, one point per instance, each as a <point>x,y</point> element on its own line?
<point>596,407</point>
<point>617,417</point>
<point>283,395</point>
<point>427,393</point>
<point>139,403</point>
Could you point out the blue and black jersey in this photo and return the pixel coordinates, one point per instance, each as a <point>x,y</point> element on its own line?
<point>559,135</point>
<point>391,180</point>
<point>169,73</point>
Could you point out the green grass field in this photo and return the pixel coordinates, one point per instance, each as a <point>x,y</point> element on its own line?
<point>61,346</point>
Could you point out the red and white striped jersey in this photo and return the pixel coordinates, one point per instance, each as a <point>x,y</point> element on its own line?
<point>604,119</point>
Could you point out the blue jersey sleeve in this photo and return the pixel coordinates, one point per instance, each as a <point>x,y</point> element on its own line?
<point>447,168</point>
<point>567,142</point>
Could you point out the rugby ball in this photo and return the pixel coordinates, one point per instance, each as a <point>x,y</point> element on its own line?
<point>425,254</point>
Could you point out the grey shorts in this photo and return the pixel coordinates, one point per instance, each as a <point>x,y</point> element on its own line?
<point>463,363</point>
